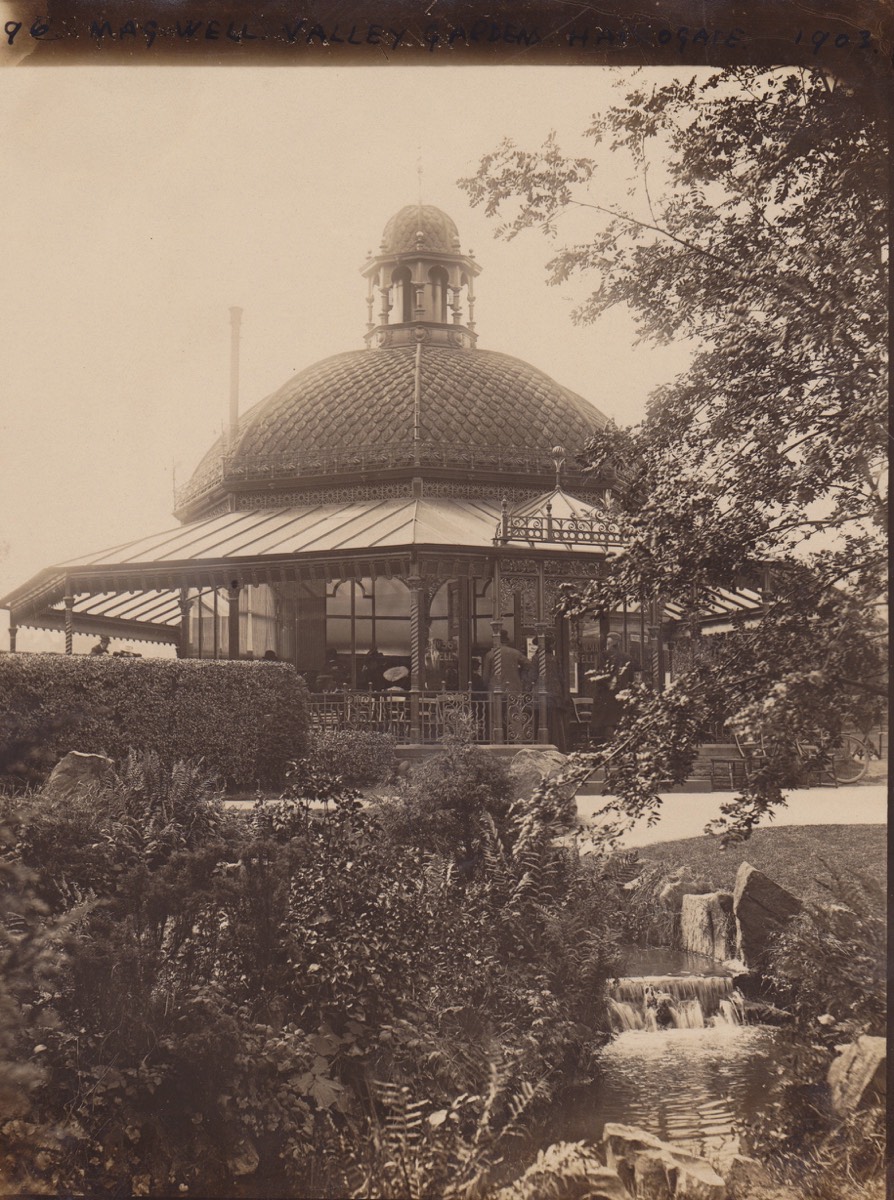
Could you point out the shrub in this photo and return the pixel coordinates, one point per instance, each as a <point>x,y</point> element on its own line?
<point>830,960</point>
<point>828,969</point>
<point>245,720</point>
<point>81,844</point>
<point>445,804</point>
<point>358,757</point>
<point>254,997</point>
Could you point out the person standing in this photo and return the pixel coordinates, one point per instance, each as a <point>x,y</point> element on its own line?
<point>514,667</point>
<point>615,676</point>
<point>372,670</point>
<point>433,668</point>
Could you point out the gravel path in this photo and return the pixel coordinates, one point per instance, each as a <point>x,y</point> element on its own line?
<point>686,814</point>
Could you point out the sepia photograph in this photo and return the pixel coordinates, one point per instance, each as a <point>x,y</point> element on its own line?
<point>443,615</point>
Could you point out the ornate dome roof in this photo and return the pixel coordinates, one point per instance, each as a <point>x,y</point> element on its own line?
<point>365,399</point>
<point>361,411</point>
<point>420,409</point>
<point>439,232</point>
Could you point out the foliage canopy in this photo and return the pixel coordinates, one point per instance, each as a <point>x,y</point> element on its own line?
<point>756,232</point>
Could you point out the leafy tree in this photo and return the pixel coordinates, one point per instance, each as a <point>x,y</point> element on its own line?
<point>755,231</point>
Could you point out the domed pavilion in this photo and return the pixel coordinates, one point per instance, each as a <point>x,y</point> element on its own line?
<point>382,521</point>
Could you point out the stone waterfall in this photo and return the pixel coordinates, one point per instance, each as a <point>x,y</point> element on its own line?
<point>738,924</point>
<point>655,1002</point>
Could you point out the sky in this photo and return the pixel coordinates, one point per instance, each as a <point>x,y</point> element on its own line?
<point>139,205</point>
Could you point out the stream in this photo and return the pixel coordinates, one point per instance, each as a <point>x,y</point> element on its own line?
<point>682,1064</point>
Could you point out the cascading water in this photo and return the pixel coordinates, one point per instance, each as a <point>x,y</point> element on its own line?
<point>684,1063</point>
<point>655,1002</point>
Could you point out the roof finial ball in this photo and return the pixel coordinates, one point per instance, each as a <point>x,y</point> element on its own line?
<point>558,456</point>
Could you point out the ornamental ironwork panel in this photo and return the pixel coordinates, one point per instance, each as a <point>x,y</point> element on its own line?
<point>441,714</point>
<point>551,590</point>
<point>575,572</point>
<point>484,490</point>
<point>237,467</point>
<point>571,531</point>
<point>378,712</point>
<point>218,510</point>
<point>524,586</point>
<point>519,717</point>
<point>453,714</point>
<point>343,495</point>
<point>454,566</point>
<point>521,566</point>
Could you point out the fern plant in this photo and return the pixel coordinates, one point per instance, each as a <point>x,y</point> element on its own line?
<point>457,1152</point>
<point>830,960</point>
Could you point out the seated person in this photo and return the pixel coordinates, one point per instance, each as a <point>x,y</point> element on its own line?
<point>336,670</point>
<point>372,670</point>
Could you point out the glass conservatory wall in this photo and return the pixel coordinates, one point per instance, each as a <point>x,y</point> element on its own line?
<point>381,616</point>
<point>209,614</point>
<point>257,621</point>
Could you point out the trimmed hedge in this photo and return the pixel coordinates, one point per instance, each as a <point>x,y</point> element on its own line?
<point>246,720</point>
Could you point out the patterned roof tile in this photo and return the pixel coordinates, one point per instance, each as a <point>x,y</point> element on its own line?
<point>355,402</point>
<point>438,230</point>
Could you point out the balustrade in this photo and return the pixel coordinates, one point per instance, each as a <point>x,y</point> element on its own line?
<point>465,714</point>
<point>244,467</point>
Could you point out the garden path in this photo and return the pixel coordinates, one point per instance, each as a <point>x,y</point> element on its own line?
<point>685,815</point>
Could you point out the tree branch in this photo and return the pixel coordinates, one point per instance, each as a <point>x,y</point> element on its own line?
<point>655,229</point>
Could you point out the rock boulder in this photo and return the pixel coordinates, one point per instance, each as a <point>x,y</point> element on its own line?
<point>656,1170</point>
<point>77,772</point>
<point>761,908</point>
<point>706,924</point>
<point>857,1071</point>
<point>578,1165</point>
<point>654,1174</point>
<point>696,1179</point>
<point>744,1176</point>
<point>531,766</point>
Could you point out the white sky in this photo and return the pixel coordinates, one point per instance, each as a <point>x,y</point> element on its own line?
<point>139,204</point>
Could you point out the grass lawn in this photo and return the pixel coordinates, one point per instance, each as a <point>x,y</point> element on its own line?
<point>793,855</point>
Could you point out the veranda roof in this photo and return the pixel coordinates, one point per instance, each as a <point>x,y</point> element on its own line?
<point>133,590</point>
<point>140,580</point>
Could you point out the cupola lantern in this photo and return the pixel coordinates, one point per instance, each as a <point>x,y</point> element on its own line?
<point>422,281</point>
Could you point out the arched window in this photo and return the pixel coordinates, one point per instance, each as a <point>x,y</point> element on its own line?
<point>438,277</point>
<point>403,294</point>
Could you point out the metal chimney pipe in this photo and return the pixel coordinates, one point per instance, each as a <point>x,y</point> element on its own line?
<point>235,333</point>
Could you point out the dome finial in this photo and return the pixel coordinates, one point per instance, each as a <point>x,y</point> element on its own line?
<point>558,456</point>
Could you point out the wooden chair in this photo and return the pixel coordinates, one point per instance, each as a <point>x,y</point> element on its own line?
<point>579,722</point>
